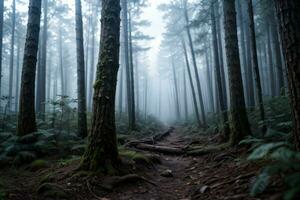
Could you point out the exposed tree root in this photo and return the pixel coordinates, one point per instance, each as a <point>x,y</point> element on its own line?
<point>115,181</point>
<point>161,149</point>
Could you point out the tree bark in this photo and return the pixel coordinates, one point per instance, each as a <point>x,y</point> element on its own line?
<point>218,70</point>
<point>102,151</point>
<point>17,75</point>
<point>41,87</point>
<point>239,119</point>
<point>194,64</point>
<point>270,61</point>
<point>26,119</point>
<point>176,89</point>
<point>289,20</point>
<point>12,48</point>
<point>255,65</point>
<point>82,123</point>
<point>62,77</point>
<point>1,43</point>
<point>191,83</point>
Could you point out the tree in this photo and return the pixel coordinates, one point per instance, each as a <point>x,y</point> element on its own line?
<point>102,152</point>
<point>289,21</point>
<point>218,72</point>
<point>254,62</point>
<point>26,118</point>
<point>239,120</point>
<point>82,124</point>
<point>186,17</point>
<point>41,76</point>
<point>1,41</point>
<point>12,45</point>
<point>130,104</point>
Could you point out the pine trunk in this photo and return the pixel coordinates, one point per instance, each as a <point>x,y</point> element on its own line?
<point>82,123</point>
<point>26,118</point>
<point>102,151</point>
<point>289,20</point>
<point>239,119</point>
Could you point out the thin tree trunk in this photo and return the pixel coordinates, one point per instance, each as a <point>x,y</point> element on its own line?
<point>17,75</point>
<point>239,119</point>
<point>42,84</point>
<point>62,79</point>
<point>218,70</point>
<point>254,62</point>
<point>209,81</point>
<point>271,65</point>
<point>1,44</point>
<point>191,83</point>
<point>185,96</point>
<point>289,20</point>
<point>92,69</point>
<point>26,119</point>
<point>176,89</point>
<point>194,64</point>
<point>102,151</point>
<point>127,63</point>
<point>82,123</point>
<point>131,73</point>
<point>11,63</point>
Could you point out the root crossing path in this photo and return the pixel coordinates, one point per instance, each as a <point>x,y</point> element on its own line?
<point>212,176</point>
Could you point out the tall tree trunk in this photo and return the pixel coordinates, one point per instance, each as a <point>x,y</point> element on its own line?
<point>102,151</point>
<point>127,62</point>
<point>146,96</point>
<point>184,96</point>
<point>194,63</point>
<point>176,89</point>
<point>137,85</point>
<point>270,61</point>
<point>243,48</point>
<point>1,44</point>
<point>254,62</point>
<point>131,73</point>
<point>121,90</point>
<point>221,63</point>
<point>289,20</point>
<point>209,81</point>
<point>92,68</point>
<point>191,83</point>
<point>26,119</point>
<point>17,75</point>
<point>62,77</point>
<point>12,48</point>
<point>218,70</point>
<point>239,119</point>
<point>41,91</point>
<point>82,123</point>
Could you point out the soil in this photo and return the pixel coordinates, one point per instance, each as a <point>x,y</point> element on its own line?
<point>218,175</point>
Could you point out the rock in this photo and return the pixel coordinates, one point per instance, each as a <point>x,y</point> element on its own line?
<point>204,189</point>
<point>38,164</point>
<point>167,173</point>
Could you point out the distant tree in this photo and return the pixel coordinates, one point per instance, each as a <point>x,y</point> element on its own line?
<point>12,48</point>
<point>254,61</point>
<point>41,75</point>
<point>289,21</point>
<point>239,120</point>
<point>1,42</point>
<point>102,151</point>
<point>82,123</point>
<point>218,71</point>
<point>26,118</point>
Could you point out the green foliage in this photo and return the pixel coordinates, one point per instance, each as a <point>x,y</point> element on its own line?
<point>285,162</point>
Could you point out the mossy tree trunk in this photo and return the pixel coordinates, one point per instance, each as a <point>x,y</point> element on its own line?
<point>82,123</point>
<point>26,119</point>
<point>239,120</point>
<point>102,152</point>
<point>289,20</point>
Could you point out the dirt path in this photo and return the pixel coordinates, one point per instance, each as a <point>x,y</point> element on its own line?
<point>219,175</point>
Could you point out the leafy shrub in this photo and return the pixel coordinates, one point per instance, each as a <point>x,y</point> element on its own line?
<point>285,162</point>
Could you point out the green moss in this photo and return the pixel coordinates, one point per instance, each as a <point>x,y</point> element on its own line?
<point>38,164</point>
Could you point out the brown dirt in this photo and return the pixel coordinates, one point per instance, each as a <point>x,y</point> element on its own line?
<point>219,175</point>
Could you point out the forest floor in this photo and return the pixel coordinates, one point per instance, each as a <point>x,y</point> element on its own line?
<point>219,175</point>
